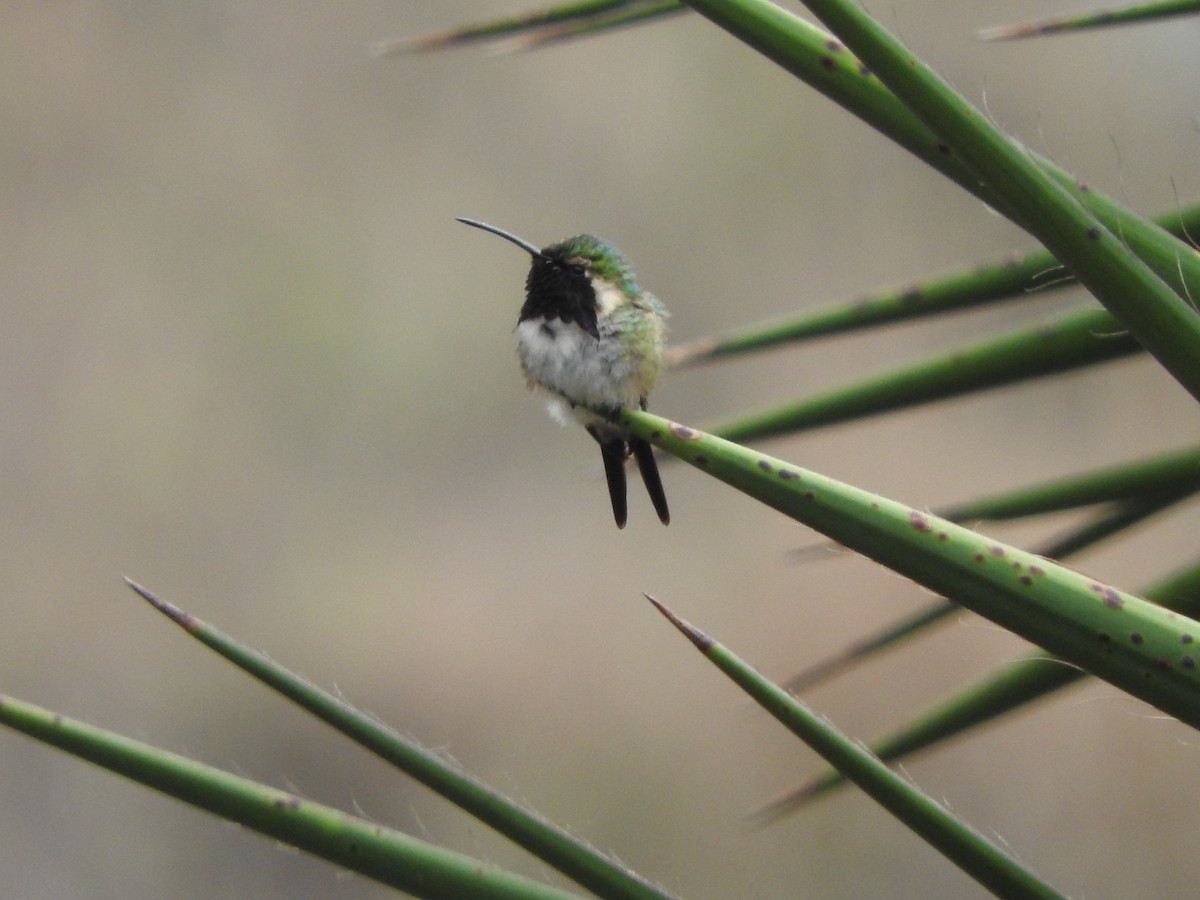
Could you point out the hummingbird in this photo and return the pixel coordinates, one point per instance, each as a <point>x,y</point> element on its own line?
<point>593,339</point>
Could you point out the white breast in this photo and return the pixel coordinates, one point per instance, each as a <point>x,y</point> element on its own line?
<point>565,359</point>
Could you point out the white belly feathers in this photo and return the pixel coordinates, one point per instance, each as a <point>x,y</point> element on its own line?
<point>565,359</point>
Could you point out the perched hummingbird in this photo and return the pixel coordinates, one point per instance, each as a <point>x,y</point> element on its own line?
<point>594,339</point>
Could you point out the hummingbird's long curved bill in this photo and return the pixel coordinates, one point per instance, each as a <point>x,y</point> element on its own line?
<point>508,236</point>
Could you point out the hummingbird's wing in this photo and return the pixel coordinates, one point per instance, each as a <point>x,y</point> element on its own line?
<point>614,453</point>
<point>644,454</point>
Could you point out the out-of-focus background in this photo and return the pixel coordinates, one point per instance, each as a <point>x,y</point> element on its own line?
<point>248,358</point>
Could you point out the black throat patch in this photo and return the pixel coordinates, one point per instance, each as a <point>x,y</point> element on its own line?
<point>555,290</point>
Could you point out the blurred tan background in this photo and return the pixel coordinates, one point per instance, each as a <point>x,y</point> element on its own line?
<point>248,358</point>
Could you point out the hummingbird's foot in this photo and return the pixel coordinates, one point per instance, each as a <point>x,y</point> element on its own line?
<point>610,413</point>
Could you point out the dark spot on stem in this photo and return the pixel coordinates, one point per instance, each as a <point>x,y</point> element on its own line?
<point>1186,638</point>
<point>702,460</point>
<point>1187,662</point>
<point>919,521</point>
<point>683,432</point>
<point>1136,638</point>
<point>1093,233</point>
<point>764,465</point>
<point>1112,599</point>
<point>788,475</point>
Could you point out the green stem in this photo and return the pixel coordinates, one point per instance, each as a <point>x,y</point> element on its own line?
<point>957,841</point>
<point>354,844</point>
<point>1008,175</point>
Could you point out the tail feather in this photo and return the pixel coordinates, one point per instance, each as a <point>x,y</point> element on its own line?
<point>614,454</point>
<point>644,454</point>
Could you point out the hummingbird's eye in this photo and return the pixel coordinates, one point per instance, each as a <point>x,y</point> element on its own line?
<point>577,269</point>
